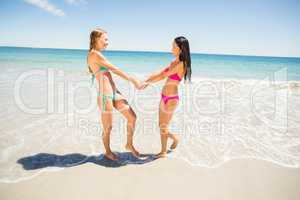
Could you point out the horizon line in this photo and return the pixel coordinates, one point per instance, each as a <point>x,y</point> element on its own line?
<point>153,51</point>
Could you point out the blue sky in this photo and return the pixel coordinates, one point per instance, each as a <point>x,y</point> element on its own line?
<point>256,27</point>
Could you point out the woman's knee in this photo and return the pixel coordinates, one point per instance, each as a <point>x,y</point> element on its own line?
<point>132,118</point>
<point>163,128</point>
<point>107,129</point>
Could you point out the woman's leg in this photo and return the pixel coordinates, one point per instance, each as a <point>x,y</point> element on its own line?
<point>165,115</point>
<point>123,107</point>
<point>106,119</point>
<point>175,140</point>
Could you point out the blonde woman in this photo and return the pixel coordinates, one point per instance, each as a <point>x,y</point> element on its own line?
<point>109,96</point>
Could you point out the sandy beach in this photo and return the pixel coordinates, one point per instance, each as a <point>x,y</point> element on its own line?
<point>245,179</point>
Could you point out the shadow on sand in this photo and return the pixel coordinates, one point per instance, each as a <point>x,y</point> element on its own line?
<point>43,160</point>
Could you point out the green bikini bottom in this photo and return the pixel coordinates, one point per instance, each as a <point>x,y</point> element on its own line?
<point>106,97</point>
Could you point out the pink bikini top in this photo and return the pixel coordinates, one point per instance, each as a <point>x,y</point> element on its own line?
<point>174,76</point>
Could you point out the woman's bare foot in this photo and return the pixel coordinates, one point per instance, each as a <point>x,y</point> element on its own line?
<point>111,156</point>
<point>161,155</point>
<point>131,148</point>
<point>175,141</point>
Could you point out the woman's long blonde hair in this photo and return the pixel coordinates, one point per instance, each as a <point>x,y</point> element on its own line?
<point>96,33</point>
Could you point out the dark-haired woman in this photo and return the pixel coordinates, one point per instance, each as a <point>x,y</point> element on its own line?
<point>179,68</point>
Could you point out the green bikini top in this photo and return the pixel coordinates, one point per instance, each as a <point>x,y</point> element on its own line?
<point>101,69</point>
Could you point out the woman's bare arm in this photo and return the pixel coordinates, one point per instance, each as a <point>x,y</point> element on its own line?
<point>158,76</point>
<point>155,77</point>
<point>98,61</point>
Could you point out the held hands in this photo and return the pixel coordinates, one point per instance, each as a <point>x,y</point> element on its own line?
<point>143,85</point>
<point>138,84</point>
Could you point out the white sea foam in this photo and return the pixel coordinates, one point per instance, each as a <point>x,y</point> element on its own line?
<point>216,120</point>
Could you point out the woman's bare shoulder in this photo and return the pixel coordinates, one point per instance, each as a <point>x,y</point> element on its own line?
<point>179,65</point>
<point>96,55</point>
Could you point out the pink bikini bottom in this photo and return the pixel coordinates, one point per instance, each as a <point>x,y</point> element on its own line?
<point>167,98</point>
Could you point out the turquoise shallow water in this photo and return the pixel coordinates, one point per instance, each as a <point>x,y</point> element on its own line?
<point>203,65</point>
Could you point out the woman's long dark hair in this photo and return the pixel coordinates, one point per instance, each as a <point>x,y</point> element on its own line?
<point>185,56</point>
